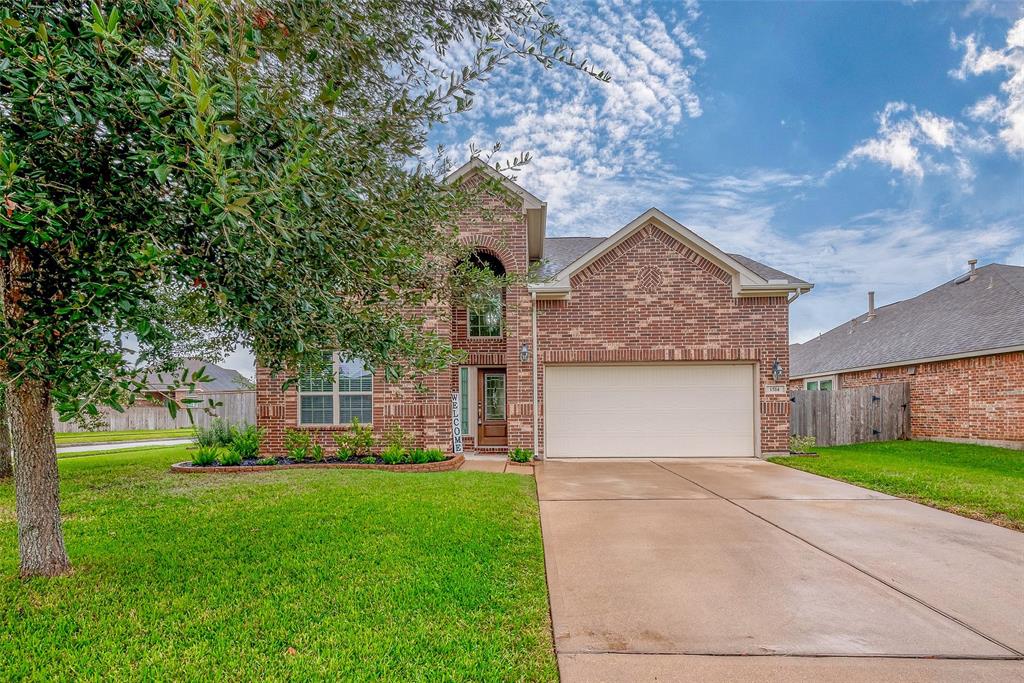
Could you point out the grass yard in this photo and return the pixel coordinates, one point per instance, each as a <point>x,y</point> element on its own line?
<point>74,438</point>
<point>974,481</point>
<point>316,574</point>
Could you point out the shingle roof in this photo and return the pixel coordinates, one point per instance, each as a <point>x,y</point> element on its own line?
<point>767,272</point>
<point>221,379</point>
<point>559,252</point>
<point>976,315</point>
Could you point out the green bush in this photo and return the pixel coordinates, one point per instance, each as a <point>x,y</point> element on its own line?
<point>316,453</point>
<point>394,456</point>
<point>421,456</point>
<point>520,455</point>
<point>246,441</point>
<point>218,434</point>
<point>229,457</point>
<point>802,444</point>
<point>267,461</point>
<point>357,440</point>
<point>297,444</point>
<point>205,456</point>
<point>369,460</point>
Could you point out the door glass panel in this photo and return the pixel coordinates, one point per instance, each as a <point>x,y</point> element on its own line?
<point>494,397</point>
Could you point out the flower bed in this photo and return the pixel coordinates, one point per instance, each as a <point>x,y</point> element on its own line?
<point>448,464</point>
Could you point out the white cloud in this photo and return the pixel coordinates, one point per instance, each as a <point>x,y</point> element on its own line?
<point>905,139</point>
<point>1005,111</point>
<point>578,128</point>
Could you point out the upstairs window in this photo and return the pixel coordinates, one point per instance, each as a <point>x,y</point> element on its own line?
<point>485,312</point>
<point>336,394</point>
<point>485,315</point>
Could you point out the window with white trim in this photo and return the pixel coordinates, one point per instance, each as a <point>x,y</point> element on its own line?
<point>336,394</point>
<point>485,315</point>
<point>820,384</point>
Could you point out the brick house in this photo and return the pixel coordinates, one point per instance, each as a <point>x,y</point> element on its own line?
<point>650,342</point>
<point>960,346</point>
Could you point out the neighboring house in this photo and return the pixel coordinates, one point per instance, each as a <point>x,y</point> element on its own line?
<point>960,345</point>
<point>649,343</point>
<point>159,385</point>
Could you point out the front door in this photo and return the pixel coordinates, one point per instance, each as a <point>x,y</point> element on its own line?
<point>491,423</point>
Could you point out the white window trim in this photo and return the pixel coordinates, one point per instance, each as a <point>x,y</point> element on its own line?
<point>336,393</point>
<point>501,321</point>
<point>823,378</point>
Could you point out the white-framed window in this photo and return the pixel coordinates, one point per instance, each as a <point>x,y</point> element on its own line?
<point>338,394</point>
<point>820,384</point>
<point>484,315</point>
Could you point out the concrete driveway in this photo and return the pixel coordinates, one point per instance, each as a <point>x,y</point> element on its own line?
<point>728,570</point>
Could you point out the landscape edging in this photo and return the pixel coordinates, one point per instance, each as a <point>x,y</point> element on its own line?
<point>441,466</point>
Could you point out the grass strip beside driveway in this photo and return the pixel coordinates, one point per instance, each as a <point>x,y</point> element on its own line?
<point>315,574</point>
<point>981,482</point>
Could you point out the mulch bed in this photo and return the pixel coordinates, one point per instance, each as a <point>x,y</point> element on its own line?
<point>449,463</point>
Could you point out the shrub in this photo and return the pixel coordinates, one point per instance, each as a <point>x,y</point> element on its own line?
<point>316,453</point>
<point>297,444</point>
<point>205,456</point>
<point>219,433</point>
<point>801,444</point>
<point>229,457</point>
<point>246,441</point>
<point>421,456</point>
<point>369,460</point>
<point>356,440</point>
<point>394,456</point>
<point>267,461</point>
<point>520,455</point>
<point>397,437</point>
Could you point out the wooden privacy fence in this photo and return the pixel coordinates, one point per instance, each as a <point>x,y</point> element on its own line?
<point>880,412</point>
<point>238,407</point>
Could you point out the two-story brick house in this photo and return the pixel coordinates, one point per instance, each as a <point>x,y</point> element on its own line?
<point>649,343</point>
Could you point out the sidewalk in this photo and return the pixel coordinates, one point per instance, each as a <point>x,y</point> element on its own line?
<point>118,445</point>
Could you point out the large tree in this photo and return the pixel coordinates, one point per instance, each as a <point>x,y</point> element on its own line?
<point>259,161</point>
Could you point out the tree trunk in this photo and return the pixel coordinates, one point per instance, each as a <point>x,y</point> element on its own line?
<point>6,455</point>
<point>36,486</point>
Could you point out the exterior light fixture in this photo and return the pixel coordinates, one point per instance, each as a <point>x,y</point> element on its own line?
<point>776,371</point>
<point>524,353</point>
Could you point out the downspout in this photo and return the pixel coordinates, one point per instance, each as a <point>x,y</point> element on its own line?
<point>536,410</point>
<point>795,296</point>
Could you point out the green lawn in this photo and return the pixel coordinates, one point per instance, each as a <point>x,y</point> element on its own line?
<point>316,574</point>
<point>72,438</point>
<point>975,481</point>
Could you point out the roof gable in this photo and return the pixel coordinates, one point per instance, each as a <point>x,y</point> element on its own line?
<point>536,210</point>
<point>745,280</point>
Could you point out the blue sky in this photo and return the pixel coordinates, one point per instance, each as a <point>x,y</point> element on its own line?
<point>860,146</point>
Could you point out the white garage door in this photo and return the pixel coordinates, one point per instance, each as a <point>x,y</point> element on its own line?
<point>649,411</point>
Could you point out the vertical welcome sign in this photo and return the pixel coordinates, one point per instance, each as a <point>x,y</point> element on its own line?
<point>456,423</point>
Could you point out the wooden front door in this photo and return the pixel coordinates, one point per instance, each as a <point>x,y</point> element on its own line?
<point>491,421</point>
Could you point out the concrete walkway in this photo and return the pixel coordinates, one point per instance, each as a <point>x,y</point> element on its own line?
<point>724,570</point>
<point>117,445</point>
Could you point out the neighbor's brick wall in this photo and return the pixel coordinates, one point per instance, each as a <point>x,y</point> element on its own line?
<point>651,299</point>
<point>969,398</point>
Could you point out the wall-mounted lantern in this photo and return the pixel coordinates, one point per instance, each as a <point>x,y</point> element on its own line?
<point>524,353</point>
<point>776,371</point>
